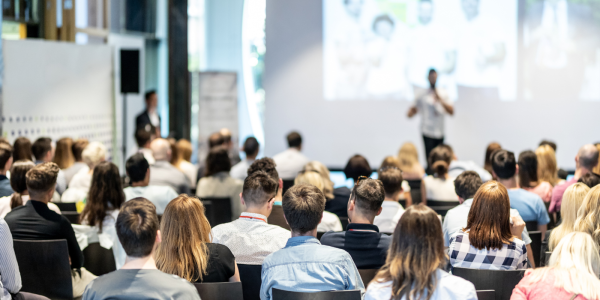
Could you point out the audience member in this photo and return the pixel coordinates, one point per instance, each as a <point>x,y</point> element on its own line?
<point>597,167</point>
<point>409,162</point>
<point>439,186</point>
<point>590,179</point>
<point>572,201</point>
<point>489,239</point>
<point>35,221</point>
<point>528,176</point>
<point>489,151</point>
<point>329,222</point>
<point>588,216</point>
<point>322,170</point>
<point>144,138</point>
<point>530,206</point>
<point>183,163</point>
<point>415,263</point>
<point>362,240</point>
<point>138,232</point>
<point>267,165</point>
<point>6,160</point>
<point>149,119</point>
<point>22,149</point>
<point>43,151</point>
<point>393,162</point>
<point>234,155</point>
<point>391,210</point>
<point>18,184</point>
<point>214,140</point>
<point>105,197</point>
<point>77,150</point>
<point>251,148</point>
<point>547,167</point>
<point>458,166</point>
<point>585,161</point>
<point>291,161</point>
<point>162,172</point>
<point>63,156</point>
<point>218,183</point>
<point>357,166</point>
<point>304,265</point>
<point>572,272</point>
<point>138,170</point>
<point>562,174</point>
<point>93,154</point>
<point>186,249</point>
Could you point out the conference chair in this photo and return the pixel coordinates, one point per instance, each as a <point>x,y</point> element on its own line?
<point>276,217</point>
<point>330,295</point>
<point>217,210</point>
<point>403,203</point>
<point>367,275</point>
<point>545,259</point>
<point>66,206</point>
<point>486,295</point>
<point>503,282</point>
<point>531,226</point>
<point>98,260</point>
<point>320,235</point>
<point>251,281</point>
<point>415,190</point>
<point>220,290</point>
<point>287,184</point>
<point>45,268</point>
<point>72,216</point>
<point>536,245</point>
<point>433,203</point>
<point>344,221</point>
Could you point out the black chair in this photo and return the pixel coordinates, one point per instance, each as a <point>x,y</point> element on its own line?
<point>276,217</point>
<point>98,260</point>
<point>432,203</point>
<point>220,290</point>
<point>442,210</point>
<point>320,235</point>
<point>503,282</point>
<point>66,206</point>
<point>531,226</point>
<point>486,295</point>
<point>367,275</point>
<point>344,221</point>
<point>217,210</point>
<point>415,190</point>
<point>331,295</point>
<point>546,259</point>
<point>287,184</point>
<point>536,246</point>
<point>45,268</point>
<point>72,216</point>
<point>402,202</point>
<point>251,281</point>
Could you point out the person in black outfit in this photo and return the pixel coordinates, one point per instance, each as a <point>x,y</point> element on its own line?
<point>149,119</point>
<point>357,166</point>
<point>367,246</point>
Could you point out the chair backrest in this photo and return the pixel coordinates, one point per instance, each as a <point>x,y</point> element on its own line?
<point>330,295</point>
<point>98,260</point>
<point>320,235</point>
<point>503,282</point>
<point>66,206</point>
<point>531,226</point>
<point>251,281</point>
<point>546,259</point>
<point>72,216</point>
<point>415,191</point>
<point>276,217</point>
<point>536,246</point>
<point>442,210</point>
<point>402,202</point>
<point>217,210</point>
<point>220,290</point>
<point>486,295</point>
<point>367,275</point>
<point>344,221</point>
<point>432,203</point>
<point>287,184</point>
<point>45,268</point>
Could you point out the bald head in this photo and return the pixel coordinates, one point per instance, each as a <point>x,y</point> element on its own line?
<point>587,157</point>
<point>161,149</point>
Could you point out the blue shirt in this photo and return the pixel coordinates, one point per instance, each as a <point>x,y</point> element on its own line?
<point>304,265</point>
<point>530,206</point>
<point>5,188</point>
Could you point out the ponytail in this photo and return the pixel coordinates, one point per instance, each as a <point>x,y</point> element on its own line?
<point>16,200</point>
<point>440,168</point>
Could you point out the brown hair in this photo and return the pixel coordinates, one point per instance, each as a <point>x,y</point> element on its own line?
<point>368,195</point>
<point>467,184</point>
<point>63,156</point>
<point>42,178</point>
<point>491,148</point>
<point>265,164</point>
<point>357,166</point>
<point>259,188</point>
<point>439,160</point>
<point>528,169</point>
<point>41,147</point>
<point>488,222</point>
<point>217,161</point>
<point>22,149</point>
<point>137,227</point>
<point>184,148</point>
<point>416,253</point>
<point>6,153</point>
<point>175,156</point>
<point>303,206</point>
<point>18,181</point>
<point>106,193</point>
<point>185,232</point>
<point>77,149</point>
<point>391,178</point>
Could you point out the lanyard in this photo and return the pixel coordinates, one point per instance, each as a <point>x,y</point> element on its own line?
<point>253,218</point>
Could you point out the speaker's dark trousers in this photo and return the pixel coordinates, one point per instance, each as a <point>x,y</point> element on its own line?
<point>430,143</point>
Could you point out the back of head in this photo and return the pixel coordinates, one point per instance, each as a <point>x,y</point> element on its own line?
<point>136,167</point>
<point>142,137</point>
<point>590,179</point>
<point>42,178</point>
<point>588,216</point>
<point>597,168</point>
<point>78,147</point>
<point>161,149</point>
<point>251,146</point>
<point>303,207</point>
<point>391,179</point>
<point>357,166</point>
<point>390,162</point>
<point>265,164</point>
<point>6,153</point>
<point>439,160</point>
<point>184,149</point>
<point>489,151</point>
<point>312,178</point>
<point>137,227</point>
<point>320,168</point>
<point>22,149</point>
<point>175,156</point>
<point>106,192</point>
<point>548,143</point>
<point>408,156</point>
<point>215,139</point>
<point>368,195</point>
<point>294,139</point>
<point>18,181</point>
<point>226,134</point>
<point>571,203</point>
<point>217,161</point>
<point>489,217</point>
<point>63,156</point>
<point>41,147</point>
<point>93,154</point>
<point>185,232</point>
<point>259,188</point>
<point>528,169</point>
<point>547,167</point>
<point>467,184</point>
<point>504,164</point>
<point>588,157</point>
<point>416,253</point>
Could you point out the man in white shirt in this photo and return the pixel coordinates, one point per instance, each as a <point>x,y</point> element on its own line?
<point>250,238</point>
<point>143,139</point>
<point>251,148</point>
<point>163,172</point>
<point>459,166</point>
<point>391,210</point>
<point>138,170</point>
<point>432,106</point>
<point>291,161</point>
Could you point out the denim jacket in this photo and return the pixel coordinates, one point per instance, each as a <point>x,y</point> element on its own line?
<point>304,265</point>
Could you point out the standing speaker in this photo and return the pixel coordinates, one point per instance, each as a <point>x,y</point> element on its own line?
<point>130,71</point>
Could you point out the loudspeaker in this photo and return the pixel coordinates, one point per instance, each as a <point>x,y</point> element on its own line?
<point>130,71</point>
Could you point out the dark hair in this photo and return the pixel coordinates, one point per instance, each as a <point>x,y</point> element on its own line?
<point>259,188</point>
<point>590,179</point>
<point>432,70</point>
<point>467,184</point>
<point>391,178</point>
<point>488,222</point>
<point>215,139</point>
<point>42,178</point>
<point>357,166</point>
<point>22,149</point>
<point>78,147</point>
<point>6,153</point>
<point>137,226</point>
<point>528,168</point>
<point>549,143</point>
<point>303,206</point>
<point>106,193</point>
<point>504,164</point>
<point>382,18</point>
<point>368,195</point>
<point>251,146</point>
<point>217,161</point>
<point>40,147</point>
<point>265,164</point>
<point>489,152</point>
<point>18,181</point>
<point>142,137</point>
<point>439,160</point>
<point>294,139</point>
<point>136,167</point>
<point>148,94</point>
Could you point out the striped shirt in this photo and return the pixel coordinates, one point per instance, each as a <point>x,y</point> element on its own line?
<point>10,277</point>
<point>512,256</point>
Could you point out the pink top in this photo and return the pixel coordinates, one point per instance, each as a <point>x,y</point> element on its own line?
<point>544,190</point>
<point>541,290</point>
<point>557,194</point>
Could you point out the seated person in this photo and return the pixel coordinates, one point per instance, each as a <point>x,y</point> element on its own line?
<point>93,154</point>
<point>251,148</point>
<point>393,162</point>
<point>186,250</point>
<point>35,220</point>
<point>163,172</point>
<point>459,166</point>
<point>329,222</point>
<point>439,186</point>
<point>184,162</point>
<point>357,166</point>
<point>304,265</point>
<point>77,149</point>
<point>137,229</point>
<point>362,239</point>
<point>43,151</point>
<point>320,168</point>
<point>250,237</point>
<point>590,179</point>
<point>572,200</point>
<point>291,161</point>
<point>6,161</point>
<point>418,242</point>
<point>489,241</point>
<point>409,162</point>
<point>530,206</point>
<point>588,215</point>
<point>138,170</point>
<point>391,210</point>
<point>143,138</point>
<point>528,176</point>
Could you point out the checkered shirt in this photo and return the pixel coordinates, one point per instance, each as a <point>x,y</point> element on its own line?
<point>512,256</point>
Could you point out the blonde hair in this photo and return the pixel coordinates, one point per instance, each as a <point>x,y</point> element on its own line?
<point>547,168</point>
<point>310,177</point>
<point>571,202</point>
<point>63,156</point>
<point>184,149</point>
<point>93,154</point>
<point>408,156</point>
<point>320,168</point>
<point>575,265</point>
<point>597,167</point>
<point>185,232</point>
<point>588,216</point>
